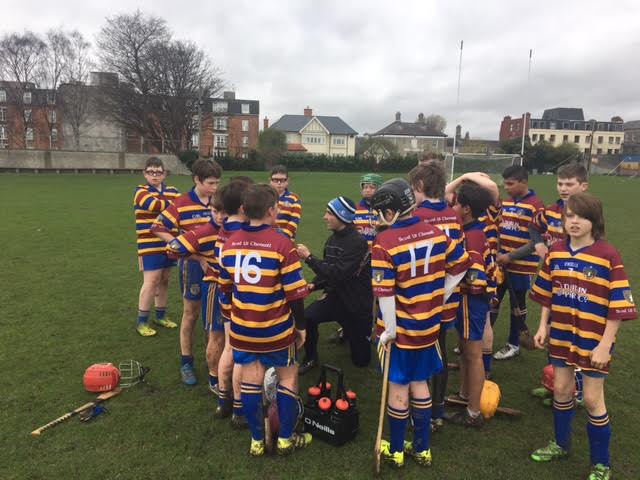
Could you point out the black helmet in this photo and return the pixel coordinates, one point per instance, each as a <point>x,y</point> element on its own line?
<point>395,195</point>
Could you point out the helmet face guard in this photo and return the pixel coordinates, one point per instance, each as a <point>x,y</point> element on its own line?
<point>395,195</point>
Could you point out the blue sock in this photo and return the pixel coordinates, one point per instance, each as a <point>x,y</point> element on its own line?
<point>287,401</point>
<point>578,375</point>
<point>599,433</point>
<point>514,331</point>
<point>186,359</point>
<point>486,360</point>
<point>237,407</point>
<point>438,410</point>
<point>562,418</point>
<point>213,380</point>
<point>421,415</point>
<point>223,397</point>
<point>252,403</point>
<point>160,313</point>
<point>398,425</point>
<point>143,317</point>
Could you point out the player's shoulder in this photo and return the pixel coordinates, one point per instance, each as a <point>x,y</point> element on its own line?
<point>604,249</point>
<point>141,187</point>
<point>171,189</point>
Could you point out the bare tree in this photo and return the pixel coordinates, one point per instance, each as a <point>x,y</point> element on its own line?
<point>436,122</point>
<point>163,80</point>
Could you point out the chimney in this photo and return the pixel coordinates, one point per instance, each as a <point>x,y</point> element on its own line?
<point>229,95</point>
<point>397,116</point>
<point>265,123</point>
<point>421,117</point>
<point>308,112</point>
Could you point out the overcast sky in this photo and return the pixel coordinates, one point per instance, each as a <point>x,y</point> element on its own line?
<point>365,60</point>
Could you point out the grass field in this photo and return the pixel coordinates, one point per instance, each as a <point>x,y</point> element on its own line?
<point>68,295</point>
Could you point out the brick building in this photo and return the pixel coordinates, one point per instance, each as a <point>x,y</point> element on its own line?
<point>512,127</point>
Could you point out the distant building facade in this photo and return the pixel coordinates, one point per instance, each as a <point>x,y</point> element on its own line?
<point>413,138</point>
<point>631,145</point>
<point>317,134</point>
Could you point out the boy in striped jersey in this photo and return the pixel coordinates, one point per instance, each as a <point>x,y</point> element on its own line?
<point>189,211</point>
<point>477,289</point>
<point>148,201</point>
<point>261,270</point>
<point>584,294</point>
<point>415,267</point>
<point>365,219</point>
<point>289,206</point>
<point>516,212</point>
<point>428,181</point>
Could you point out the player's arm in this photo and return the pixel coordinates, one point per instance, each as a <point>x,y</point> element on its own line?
<point>166,223</point>
<point>544,328</point>
<point>346,268</point>
<point>481,179</point>
<point>146,201</point>
<point>387,307</point>
<point>600,355</point>
<point>457,262</point>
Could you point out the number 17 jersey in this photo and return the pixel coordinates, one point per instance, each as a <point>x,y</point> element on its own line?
<point>262,270</point>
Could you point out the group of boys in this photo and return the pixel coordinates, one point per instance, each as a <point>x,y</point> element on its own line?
<point>442,256</point>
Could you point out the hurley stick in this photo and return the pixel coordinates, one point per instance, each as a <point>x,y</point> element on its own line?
<point>383,404</point>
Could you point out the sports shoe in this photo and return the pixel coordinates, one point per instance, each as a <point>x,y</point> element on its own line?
<point>547,402</point>
<point>297,440</point>
<point>215,389</point>
<point>423,458</point>
<point>337,337</point>
<point>507,352</point>
<point>239,422</point>
<point>541,392</point>
<point>526,340</point>
<point>224,410</point>
<point>599,472</point>
<point>458,398</point>
<point>166,323</point>
<point>257,448</point>
<point>552,451</point>
<point>437,424</point>
<point>463,418</point>
<point>145,330</point>
<point>188,375</point>
<point>396,459</point>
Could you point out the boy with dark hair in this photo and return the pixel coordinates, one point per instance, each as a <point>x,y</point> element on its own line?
<point>344,274</point>
<point>415,267</point>
<point>148,201</point>
<point>289,205</point>
<point>477,288</point>
<point>516,212</point>
<point>428,182</point>
<point>585,294</point>
<point>261,270</point>
<point>188,212</point>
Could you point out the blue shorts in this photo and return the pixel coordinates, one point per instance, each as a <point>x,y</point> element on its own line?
<point>472,317</point>
<point>521,282</point>
<point>280,358</point>
<point>558,362</point>
<point>414,365</point>
<point>211,313</point>
<point>155,261</point>
<point>191,275</point>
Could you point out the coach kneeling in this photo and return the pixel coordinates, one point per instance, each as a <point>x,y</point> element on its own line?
<point>345,275</point>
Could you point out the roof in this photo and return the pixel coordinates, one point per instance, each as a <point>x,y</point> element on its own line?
<point>410,129</point>
<point>632,125</point>
<point>563,114</point>
<point>295,123</point>
<point>295,147</point>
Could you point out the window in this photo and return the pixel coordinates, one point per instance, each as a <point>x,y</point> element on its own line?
<point>599,151</point>
<point>54,135</point>
<point>245,142</point>
<point>576,139</point>
<point>220,123</point>
<point>610,140</point>
<point>29,137</point>
<point>3,96</point>
<point>587,138</point>
<point>313,139</point>
<point>617,140</point>
<point>542,137</point>
<point>534,137</point>
<point>588,126</point>
<point>52,116</point>
<point>3,114</point>
<point>221,141</point>
<point>600,139</point>
<point>565,124</point>
<point>51,98</point>
<point>26,98</point>
<point>245,108</point>
<point>220,107</point>
<point>195,139</point>
<point>3,136</point>
<point>338,140</point>
<point>543,125</point>
<point>245,125</point>
<point>577,126</point>
<point>27,116</point>
<point>245,155</point>
<point>552,138</point>
<point>552,125</point>
<point>601,126</point>
<point>565,138</point>
<point>615,150</point>
<point>609,151</point>
<point>534,124</point>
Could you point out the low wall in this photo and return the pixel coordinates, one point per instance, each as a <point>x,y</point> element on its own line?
<point>69,160</point>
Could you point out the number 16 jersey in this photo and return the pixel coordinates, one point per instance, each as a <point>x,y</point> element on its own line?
<point>262,270</point>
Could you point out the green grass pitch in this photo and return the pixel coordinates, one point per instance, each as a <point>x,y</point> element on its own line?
<point>68,296</point>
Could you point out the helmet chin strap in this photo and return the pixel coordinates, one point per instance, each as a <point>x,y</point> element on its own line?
<point>384,221</point>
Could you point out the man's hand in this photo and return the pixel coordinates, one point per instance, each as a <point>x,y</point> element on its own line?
<point>301,336</point>
<point>303,251</point>
<point>541,249</point>
<point>541,336</point>
<point>600,355</point>
<point>311,287</point>
<point>387,337</point>
<point>503,259</point>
